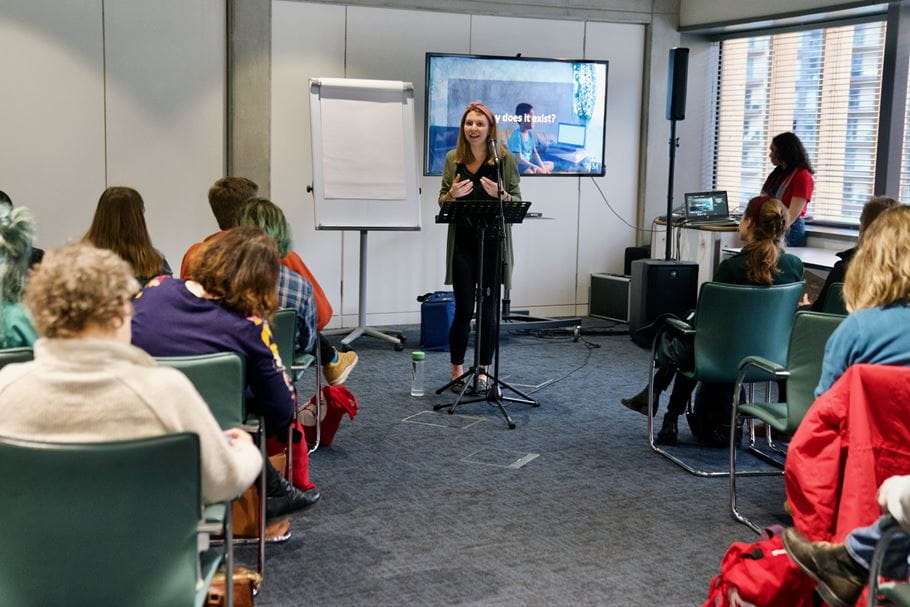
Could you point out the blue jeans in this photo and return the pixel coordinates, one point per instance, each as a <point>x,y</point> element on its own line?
<point>860,544</point>
<point>796,235</point>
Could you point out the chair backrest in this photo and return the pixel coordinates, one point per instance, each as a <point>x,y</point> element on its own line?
<point>15,355</point>
<point>810,333</point>
<point>733,322</point>
<point>100,524</point>
<point>221,380</point>
<point>834,300</point>
<point>284,330</point>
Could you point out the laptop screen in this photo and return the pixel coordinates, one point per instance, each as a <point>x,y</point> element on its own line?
<point>571,134</point>
<point>705,205</point>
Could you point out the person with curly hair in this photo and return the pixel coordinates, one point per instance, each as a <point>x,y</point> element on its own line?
<point>87,383</point>
<point>17,228</point>
<point>791,182</point>
<point>225,308</point>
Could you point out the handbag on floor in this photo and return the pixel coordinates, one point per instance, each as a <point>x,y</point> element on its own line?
<point>246,583</point>
<point>336,401</point>
<point>245,511</point>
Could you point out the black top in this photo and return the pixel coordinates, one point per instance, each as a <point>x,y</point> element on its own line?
<point>465,235</point>
<point>733,270</point>
<point>837,274</point>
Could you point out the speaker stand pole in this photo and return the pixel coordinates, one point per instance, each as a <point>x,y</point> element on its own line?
<point>674,143</point>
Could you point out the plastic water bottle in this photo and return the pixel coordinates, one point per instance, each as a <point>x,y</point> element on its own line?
<point>418,360</point>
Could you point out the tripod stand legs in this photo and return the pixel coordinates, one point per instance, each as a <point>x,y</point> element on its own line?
<point>493,394</point>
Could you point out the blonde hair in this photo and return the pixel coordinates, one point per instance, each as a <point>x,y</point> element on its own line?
<point>767,223</point>
<point>879,273</point>
<point>78,286</point>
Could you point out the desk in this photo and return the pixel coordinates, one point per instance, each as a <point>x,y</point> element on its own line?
<point>701,244</point>
<point>816,258</point>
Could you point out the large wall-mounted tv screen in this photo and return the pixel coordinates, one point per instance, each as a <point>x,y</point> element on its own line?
<point>550,112</point>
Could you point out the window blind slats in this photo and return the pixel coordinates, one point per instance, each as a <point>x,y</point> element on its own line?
<point>823,84</point>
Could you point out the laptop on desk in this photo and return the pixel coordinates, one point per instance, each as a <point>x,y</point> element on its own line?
<point>569,137</point>
<point>708,209</point>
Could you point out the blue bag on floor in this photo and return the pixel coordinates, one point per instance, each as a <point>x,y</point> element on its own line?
<point>437,311</point>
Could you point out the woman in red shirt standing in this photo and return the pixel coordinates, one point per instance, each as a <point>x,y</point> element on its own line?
<point>791,182</point>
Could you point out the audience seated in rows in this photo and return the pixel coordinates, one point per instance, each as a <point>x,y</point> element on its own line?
<point>226,199</point>
<point>88,384</point>
<point>295,291</point>
<point>760,263</point>
<point>119,225</point>
<point>225,308</point>
<point>871,210</point>
<point>17,228</point>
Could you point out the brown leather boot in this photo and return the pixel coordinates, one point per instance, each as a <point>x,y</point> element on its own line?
<point>840,579</point>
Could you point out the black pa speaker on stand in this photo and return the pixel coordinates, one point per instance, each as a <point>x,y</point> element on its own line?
<point>665,286</point>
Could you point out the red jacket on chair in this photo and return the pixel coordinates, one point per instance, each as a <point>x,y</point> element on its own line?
<point>853,437</point>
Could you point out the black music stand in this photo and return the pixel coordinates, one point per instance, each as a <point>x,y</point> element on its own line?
<point>484,215</point>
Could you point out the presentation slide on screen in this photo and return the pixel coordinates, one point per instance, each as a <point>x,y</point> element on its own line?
<point>549,113</point>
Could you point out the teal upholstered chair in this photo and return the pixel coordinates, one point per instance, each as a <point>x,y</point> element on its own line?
<point>15,355</point>
<point>834,300</point>
<point>113,523</point>
<point>220,379</point>
<point>803,368</point>
<point>731,323</point>
<point>285,333</point>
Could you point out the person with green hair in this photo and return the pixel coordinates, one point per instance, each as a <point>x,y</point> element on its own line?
<point>295,291</point>
<point>17,228</point>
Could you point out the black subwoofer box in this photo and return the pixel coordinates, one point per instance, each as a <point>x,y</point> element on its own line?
<point>659,287</point>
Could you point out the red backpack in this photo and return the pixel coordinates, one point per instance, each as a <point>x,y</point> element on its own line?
<point>760,575</point>
<point>336,401</point>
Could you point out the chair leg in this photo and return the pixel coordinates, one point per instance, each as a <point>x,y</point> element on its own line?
<point>318,398</point>
<point>732,472</point>
<point>654,447</point>
<point>229,557</point>
<point>289,454</point>
<point>262,491</point>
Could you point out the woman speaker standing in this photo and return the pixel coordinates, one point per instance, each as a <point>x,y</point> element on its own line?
<point>470,174</point>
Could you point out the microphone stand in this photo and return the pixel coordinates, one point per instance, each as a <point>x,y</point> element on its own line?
<point>494,395</point>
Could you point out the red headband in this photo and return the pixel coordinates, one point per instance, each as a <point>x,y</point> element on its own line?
<point>476,106</point>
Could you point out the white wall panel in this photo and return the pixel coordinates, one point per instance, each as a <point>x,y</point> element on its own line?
<point>165,112</point>
<point>602,236</point>
<point>402,265</point>
<point>307,41</point>
<point>52,112</point>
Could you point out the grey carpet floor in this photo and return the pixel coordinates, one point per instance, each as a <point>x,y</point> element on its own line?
<point>425,508</point>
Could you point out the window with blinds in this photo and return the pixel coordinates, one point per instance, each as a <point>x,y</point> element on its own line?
<point>824,85</point>
<point>905,155</point>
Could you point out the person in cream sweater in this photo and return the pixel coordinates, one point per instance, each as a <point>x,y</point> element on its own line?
<point>88,384</point>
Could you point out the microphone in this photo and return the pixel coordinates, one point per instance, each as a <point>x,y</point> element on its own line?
<point>495,149</point>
